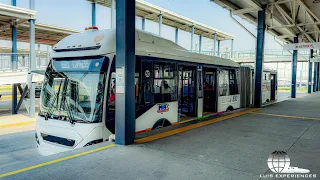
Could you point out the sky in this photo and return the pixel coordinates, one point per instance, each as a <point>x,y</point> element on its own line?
<point>76,14</point>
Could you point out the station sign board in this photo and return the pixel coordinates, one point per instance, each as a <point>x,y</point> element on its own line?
<point>298,46</point>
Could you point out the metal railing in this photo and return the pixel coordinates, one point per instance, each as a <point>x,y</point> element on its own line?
<point>276,53</point>
<point>7,59</point>
<point>267,53</point>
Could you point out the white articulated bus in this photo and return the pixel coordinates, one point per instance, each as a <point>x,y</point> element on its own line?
<point>172,85</point>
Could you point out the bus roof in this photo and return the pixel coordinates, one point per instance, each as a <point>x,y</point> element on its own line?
<point>103,42</point>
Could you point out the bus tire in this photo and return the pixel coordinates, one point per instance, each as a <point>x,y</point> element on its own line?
<point>161,123</point>
<point>230,108</point>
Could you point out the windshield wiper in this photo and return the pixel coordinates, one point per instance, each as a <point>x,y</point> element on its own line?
<point>69,112</point>
<point>53,102</point>
<point>82,121</point>
<point>66,104</point>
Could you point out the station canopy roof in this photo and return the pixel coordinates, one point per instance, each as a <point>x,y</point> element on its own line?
<point>285,19</point>
<point>152,12</point>
<point>45,34</point>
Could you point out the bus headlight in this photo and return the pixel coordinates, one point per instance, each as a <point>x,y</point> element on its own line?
<point>94,142</point>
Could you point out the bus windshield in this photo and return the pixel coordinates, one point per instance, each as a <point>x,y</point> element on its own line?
<point>75,96</point>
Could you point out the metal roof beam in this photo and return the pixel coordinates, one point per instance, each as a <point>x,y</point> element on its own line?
<point>244,11</point>
<point>254,4</point>
<point>17,12</point>
<point>52,29</point>
<point>312,17</point>
<point>285,16</point>
<point>280,2</point>
<point>292,21</point>
<point>14,23</point>
<point>151,16</point>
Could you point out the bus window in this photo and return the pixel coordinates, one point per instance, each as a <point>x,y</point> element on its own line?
<point>233,86</point>
<point>200,79</point>
<point>164,82</point>
<point>112,92</point>
<point>224,83</point>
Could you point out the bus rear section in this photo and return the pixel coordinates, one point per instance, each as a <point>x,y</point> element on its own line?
<point>269,86</point>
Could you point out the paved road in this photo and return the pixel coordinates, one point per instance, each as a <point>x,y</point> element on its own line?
<point>17,148</point>
<point>286,95</point>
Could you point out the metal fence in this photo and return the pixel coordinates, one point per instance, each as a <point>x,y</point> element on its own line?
<point>252,53</point>
<point>22,59</point>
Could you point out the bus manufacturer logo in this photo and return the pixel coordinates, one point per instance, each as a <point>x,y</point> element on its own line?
<point>163,108</point>
<point>98,38</point>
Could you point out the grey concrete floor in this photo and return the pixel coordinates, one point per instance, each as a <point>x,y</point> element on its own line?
<point>16,148</point>
<point>237,148</point>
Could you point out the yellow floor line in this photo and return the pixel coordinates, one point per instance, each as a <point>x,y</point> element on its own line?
<point>4,98</point>
<point>192,126</point>
<point>286,116</point>
<point>55,161</point>
<point>17,124</point>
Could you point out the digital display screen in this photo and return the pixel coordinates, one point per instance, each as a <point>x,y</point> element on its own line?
<point>78,65</point>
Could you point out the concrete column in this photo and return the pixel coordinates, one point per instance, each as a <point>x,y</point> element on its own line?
<point>231,51</point>
<point>14,50</point>
<point>318,77</point>
<point>200,42</point>
<point>177,36</point>
<point>294,70</point>
<point>214,43</point>
<point>301,74</point>
<point>32,61</point>
<point>218,52</point>
<point>143,24</point>
<point>125,72</point>
<point>192,33</point>
<point>315,79</point>
<point>259,59</point>
<point>93,14</point>
<point>113,16</point>
<point>160,25</point>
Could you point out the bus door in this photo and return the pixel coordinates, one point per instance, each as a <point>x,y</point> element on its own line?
<point>273,87</point>
<point>187,93</point>
<point>209,91</point>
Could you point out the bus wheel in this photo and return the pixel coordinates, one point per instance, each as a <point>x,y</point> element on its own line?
<point>230,108</point>
<point>161,123</point>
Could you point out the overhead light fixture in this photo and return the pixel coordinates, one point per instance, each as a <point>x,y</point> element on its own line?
<point>316,1</point>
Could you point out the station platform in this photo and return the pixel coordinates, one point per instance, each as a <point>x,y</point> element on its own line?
<point>233,146</point>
